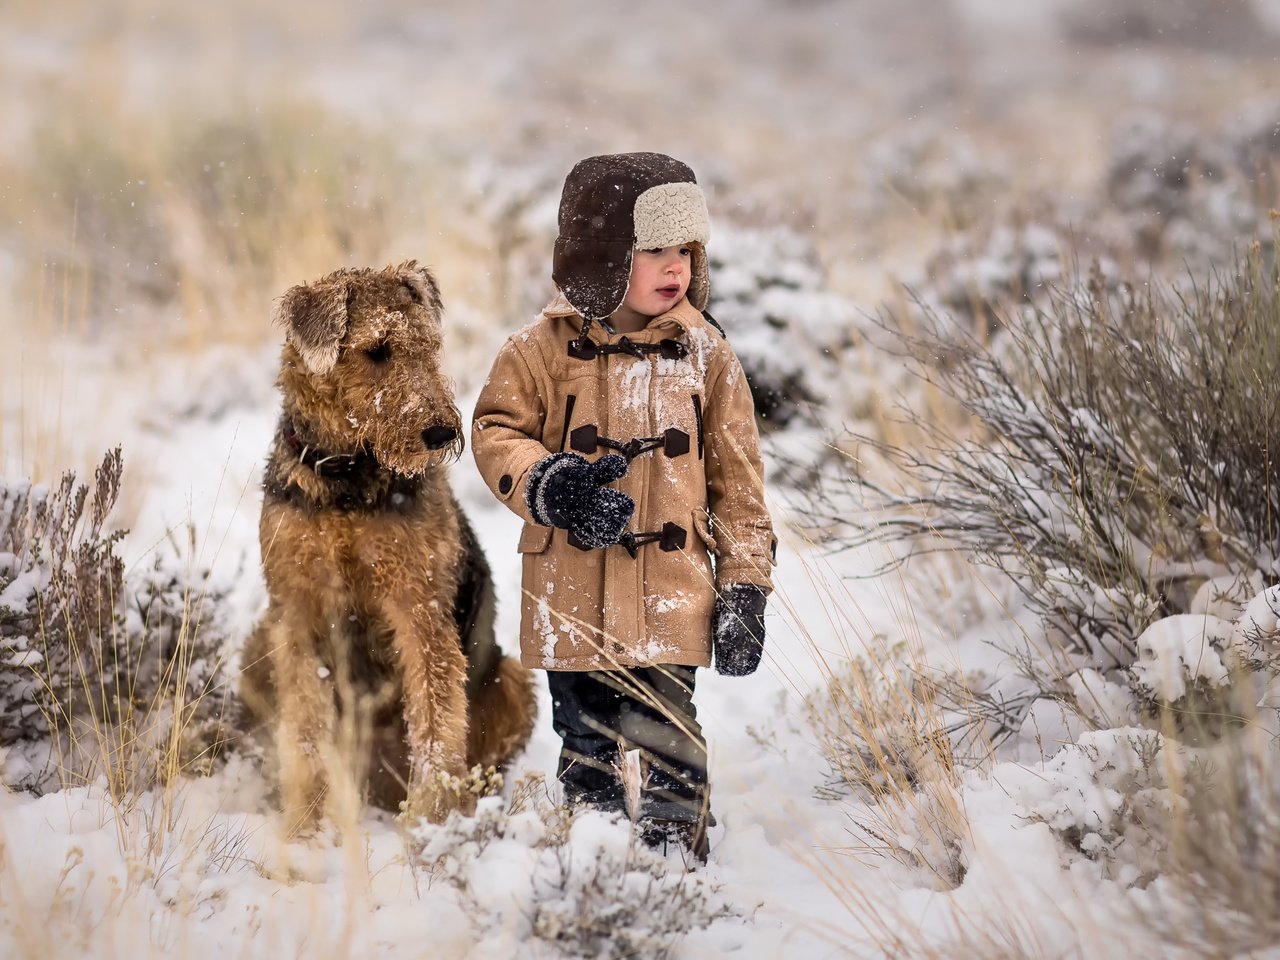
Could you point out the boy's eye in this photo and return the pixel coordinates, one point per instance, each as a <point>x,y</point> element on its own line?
<point>686,252</point>
<point>653,250</point>
<point>380,353</point>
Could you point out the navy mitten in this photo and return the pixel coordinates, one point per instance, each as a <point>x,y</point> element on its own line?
<point>737,629</point>
<point>566,491</point>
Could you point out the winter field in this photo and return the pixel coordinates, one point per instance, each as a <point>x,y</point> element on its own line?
<point>1004,276</point>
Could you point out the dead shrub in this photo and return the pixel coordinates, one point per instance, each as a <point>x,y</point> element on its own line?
<point>100,674</point>
<point>1119,455</point>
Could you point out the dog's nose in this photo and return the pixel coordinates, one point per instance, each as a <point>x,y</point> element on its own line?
<point>438,436</point>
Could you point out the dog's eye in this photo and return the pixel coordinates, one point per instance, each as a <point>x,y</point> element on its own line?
<point>414,293</point>
<point>379,354</point>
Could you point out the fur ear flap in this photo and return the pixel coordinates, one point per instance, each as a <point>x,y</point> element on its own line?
<point>423,285</point>
<point>315,321</point>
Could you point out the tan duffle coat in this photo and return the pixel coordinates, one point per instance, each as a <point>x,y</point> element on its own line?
<point>699,493</point>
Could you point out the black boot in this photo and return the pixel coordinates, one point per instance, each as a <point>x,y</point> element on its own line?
<point>584,712</point>
<point>586,787</point>
<point>687,837</point>
<point>675,808</point>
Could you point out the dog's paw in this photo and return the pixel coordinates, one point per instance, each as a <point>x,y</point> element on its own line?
<point>305,856</point>
<point>440,793</point>
<point>427,801</point>
<point>300,820</point>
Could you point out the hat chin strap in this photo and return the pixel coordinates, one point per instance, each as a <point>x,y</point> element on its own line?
<point>583,335</point>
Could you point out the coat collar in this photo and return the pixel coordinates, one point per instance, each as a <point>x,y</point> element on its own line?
<point>681,319</point>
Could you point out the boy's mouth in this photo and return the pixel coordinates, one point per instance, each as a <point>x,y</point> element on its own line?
<point>670,290</point>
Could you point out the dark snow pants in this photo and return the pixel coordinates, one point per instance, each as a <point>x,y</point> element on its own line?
<point>649,709</point>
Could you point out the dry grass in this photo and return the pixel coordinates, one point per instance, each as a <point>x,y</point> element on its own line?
<point>889,750</point>
<point>145,230</point>
<point>1220,880</point>
<point>136,216</point>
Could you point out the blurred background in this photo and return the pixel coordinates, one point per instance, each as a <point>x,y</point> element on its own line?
<point>168,170</point>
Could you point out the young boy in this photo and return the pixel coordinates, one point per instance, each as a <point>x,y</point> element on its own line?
<point>620,427</point>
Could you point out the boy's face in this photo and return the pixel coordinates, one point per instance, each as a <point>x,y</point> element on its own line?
<point>659,278</point>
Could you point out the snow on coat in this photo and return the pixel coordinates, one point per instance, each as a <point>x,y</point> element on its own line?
<point>602,608</point>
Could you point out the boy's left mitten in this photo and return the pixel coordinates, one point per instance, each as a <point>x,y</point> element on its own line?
<point>737,629</point>
<point>566,491</point>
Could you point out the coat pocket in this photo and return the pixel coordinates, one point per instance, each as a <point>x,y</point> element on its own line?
<point>702,526</point>
<point>534,538</point>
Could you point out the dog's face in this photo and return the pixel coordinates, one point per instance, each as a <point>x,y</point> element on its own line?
<point>361,364</point>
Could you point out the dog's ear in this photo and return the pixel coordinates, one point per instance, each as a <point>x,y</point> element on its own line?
<point>315,321</point>
<point>422,285</point>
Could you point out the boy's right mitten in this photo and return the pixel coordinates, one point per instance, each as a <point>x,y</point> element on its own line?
<point>737,629</point>
<point>566,491</point>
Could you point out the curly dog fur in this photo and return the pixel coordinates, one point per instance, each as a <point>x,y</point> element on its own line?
<point>376,663</point>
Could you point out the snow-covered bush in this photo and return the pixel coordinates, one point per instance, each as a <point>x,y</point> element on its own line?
<point>1173,191</point>
<point>1118,467</point>
<point>1223,25</point>
<point>100,673</point>
<point>1255,144</point>
<point>1206,673</point>
<point>187,694</point>
<point>934,171</point>
<point>1155,164</point>
<point>1182,658</point>
<point>977,274</point>
<point>58,581</point>
<point>582,883</point>
<point>792,335</point>
<point>1106,796</point>
<point>1197,828</point>
<point>1122,473</point>
<point>1174,196</point>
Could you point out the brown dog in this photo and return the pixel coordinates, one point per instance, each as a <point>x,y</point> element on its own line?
<point>376,658</point>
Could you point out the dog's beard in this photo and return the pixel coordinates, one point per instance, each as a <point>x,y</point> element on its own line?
<point>406,453</point>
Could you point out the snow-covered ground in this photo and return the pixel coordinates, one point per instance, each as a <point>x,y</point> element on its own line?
<point>219,879</point>
<point>877,131</point>
<point>203,872</point>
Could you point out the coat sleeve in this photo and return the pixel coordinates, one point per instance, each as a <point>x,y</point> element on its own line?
<point>507,427</point>
<point>745,544</point>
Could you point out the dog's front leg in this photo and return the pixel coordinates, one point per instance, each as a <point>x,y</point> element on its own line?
<point>305,729</point>
<point>435,708</point>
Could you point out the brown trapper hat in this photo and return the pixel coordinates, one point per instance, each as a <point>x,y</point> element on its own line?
<point>613,204</point>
